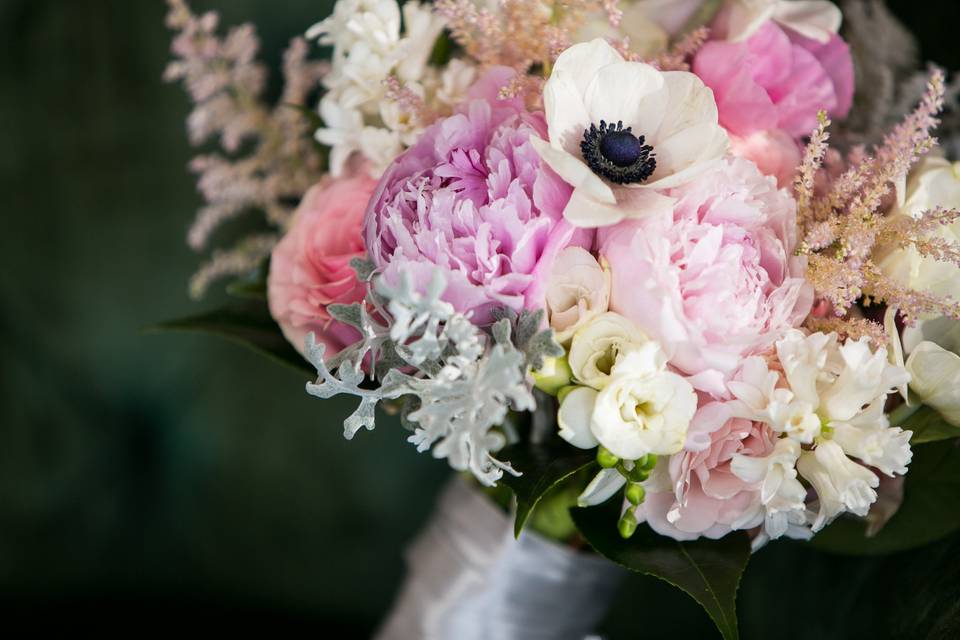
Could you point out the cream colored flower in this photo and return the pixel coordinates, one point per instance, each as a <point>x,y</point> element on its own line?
<point>644,408</point>
<point>936,379</point>
<point>816,19</point>
<point>577,291</point>
<point>597,345</point>
<point>575,417</point>
<point>597,107</point>
<point>934,183</point>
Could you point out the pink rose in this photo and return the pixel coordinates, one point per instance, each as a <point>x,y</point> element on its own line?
<point>715,279</point>
<point>774,152</point>
<point>697,493</point>
<point>310,267</point>
<point>777,79</point>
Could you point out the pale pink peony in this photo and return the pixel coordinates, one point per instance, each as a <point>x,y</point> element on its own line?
<point>310,267</point>
<point>473,197</point>
<point>777,79</point>
<point>774,152</point>
<point>695,493</point>
<point>715,279</point>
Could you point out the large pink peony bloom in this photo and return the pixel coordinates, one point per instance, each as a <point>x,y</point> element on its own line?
<point>473,198</point>
<point>310,267</point>
<point>777,79</point>
<point>715,279</point>
<point>696,493</point>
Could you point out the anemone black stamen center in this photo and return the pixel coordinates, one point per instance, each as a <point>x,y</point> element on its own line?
<point>613,152</point>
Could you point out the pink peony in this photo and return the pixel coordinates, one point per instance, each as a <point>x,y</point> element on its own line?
<point>310,267</point>
<point>777,79</point>
<point>774,152</point>
<point>696,493</point>
<point>472,197</point>
<point>715,279</point>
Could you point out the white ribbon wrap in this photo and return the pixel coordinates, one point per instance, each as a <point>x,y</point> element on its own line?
<point>469,579</point>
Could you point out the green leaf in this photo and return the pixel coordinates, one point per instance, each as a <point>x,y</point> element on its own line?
<point>929,426</point>
<point>930,509</point>
<point>247,324</point>
<point>543,467</point>
<point>709,571</point>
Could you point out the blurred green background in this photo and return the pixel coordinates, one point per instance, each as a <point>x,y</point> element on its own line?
<point>148,478</point>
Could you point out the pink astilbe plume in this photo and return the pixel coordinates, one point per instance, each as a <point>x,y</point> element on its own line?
<point>269,158</point>
<point>843,222</point>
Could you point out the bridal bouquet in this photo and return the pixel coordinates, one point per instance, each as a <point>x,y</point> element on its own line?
<point>682,274</point>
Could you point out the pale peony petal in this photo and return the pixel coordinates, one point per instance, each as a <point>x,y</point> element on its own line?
<point>574,418</point>
<point>567,116</point>
<point>584,60</point>
<point>628,92</point>
<point>577,174</point>
<point>816,19</point>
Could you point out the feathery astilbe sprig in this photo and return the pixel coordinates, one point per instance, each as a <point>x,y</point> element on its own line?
<point>520,33</point>
<point>850,328</point>
<point>679,55</point>
<point>843,223</point>
<point>268,160</point>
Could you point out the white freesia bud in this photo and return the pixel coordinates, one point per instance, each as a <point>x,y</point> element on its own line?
<point>841,484</point>
<point>934,183</point>
<point>578,290</point>
<point>936,379</point>
<point>575,416</point>
<point>595,347</point>
<point>643,408</point>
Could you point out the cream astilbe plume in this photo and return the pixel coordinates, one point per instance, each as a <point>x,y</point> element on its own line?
<point>269,158</point>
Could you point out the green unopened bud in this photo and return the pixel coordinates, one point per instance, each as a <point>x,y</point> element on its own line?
<point>627,525</point>
<point>606,459</point>
<point>647,462</point>
<point>635,493</point>
<point>554,375</point>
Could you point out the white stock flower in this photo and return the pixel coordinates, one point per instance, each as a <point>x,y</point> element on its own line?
<point>644,408</point>
<point>578,290</point>
<point>455,81</point>
<point>421,28</point>
<point>597,345</point>
<point>841,484</point>
<point>817,19</point>
<point>870,438</point>
<point>781,493</point>
<point>936,379</point>
<point>674,112</point>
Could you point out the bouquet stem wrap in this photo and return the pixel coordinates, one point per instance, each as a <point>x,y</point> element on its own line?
<point>468,578</point>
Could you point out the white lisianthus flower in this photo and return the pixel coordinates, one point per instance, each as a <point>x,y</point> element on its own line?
<point>841,484</point>
<point>575,417</point>
<point>936,379</point>
<point>621,132</point>
<point>816,19</point>
<point>596,346</point>
<point>644,408</point>
<point>578,290</point>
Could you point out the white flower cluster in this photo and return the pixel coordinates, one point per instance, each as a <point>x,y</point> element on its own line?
<point>827,410</point>
<point>369,48</point>
<point>464,384</point>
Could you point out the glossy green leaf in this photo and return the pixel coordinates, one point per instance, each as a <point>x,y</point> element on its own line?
<point>930,509</point>
<point>249,325</point>
<point>542,466</point>
<point>709,571</point>
<point>929,426</point>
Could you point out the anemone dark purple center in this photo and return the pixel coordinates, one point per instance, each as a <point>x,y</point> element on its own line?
<point>615,153</point>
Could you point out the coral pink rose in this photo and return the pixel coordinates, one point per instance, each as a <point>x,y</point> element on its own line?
<point>774,152</point>
<point>696,493</point>
<point>715,279</point>
<point>777,79</point>
<point>310,267</point>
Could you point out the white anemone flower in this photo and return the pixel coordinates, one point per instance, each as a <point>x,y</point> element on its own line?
<point>622,132</point>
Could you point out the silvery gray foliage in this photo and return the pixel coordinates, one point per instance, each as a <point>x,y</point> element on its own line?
<point>458,385</point>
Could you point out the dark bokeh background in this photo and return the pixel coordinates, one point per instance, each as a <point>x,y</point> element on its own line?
<point>147,478</point>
